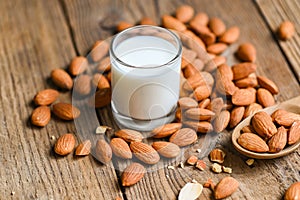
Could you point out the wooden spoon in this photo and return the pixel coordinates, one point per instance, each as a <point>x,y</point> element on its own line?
<point>292,105</point>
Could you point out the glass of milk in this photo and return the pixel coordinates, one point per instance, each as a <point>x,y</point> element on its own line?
<point>145,63</point>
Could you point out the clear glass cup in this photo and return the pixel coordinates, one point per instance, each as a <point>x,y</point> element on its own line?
<point>145,64</point>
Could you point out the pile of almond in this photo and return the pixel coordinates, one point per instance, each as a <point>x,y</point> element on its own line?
<point>271,133</point>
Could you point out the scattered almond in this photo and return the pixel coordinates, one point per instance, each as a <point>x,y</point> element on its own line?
<point>231,35</point>
<point>65,111</point>
<point>244,97</point>
<point>217,26</point>
<point>184,13</point>
<point>294,133</point>
<point>83,148</point>
<point>286,30</point>
<point>82,85</point>
<point>132,174</point>
<point>166,149</point>
<point>293,192</point>
<point>236,116</point>
<point>99,50</point>
<point>45,97</point>
<point>120,148</point>
<point>222,121</point>
<point>103,151</point>
<point>41,116</point>
<point>267,84</point>
<point>129,135</point>
<point>242,70</point>
<point>78,65</point>
<point>226,187</point>
<point>144,152</point>
<point>64,144</point>
<point>184,137</point>
<point>246,52</point>
<point>62,79</point>
<point>265,98</point>
<point>192,160</point>
<point>166,130</point>
<point>173,23</point>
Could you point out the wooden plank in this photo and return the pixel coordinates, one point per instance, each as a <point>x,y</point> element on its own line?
<point>34,40</point>
<point>90,23</point>
<point>277,11</point>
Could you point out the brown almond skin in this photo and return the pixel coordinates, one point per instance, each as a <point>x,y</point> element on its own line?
<point>122,25</point>
<point>199,114</point>
<point>200,126</point>
<point>217,26</point>
<point>65,144</point>
<point>99,50</point>
<point>294,133</point>
<point>246,52</point>
<point>173,23</point>
<point>216,105</point>
<point>278,141</point>
<point>41,116</point>
<point>204,103</point>
<point>265,98</point>
<point>226,187</point>
<point>166,130</point>
<point>83,148</point>
<point>219,60</point>
<point>250,81</point>
<point>201,19</point>
<point>78,65</point>
<point>253,142</point>
<point>267,84</point>
<point>242,70</point>
<point>132,174</point>
<point>217,155</point>
<point>293,192</point>
<point>102,98</point>
<point>65,111</point>
<point>184,13</point>
<point>263,125</point>
<point>216,48</point>
<point>187,102</point>
<point>144,152</point>
<point>202,92</point>
<point>166,149</point>
<point>285,118</point>
<point>45,97</point>
<point>231,35</point>
<point>148,21</point>
<point>251,109</point>
<point>129,135</point>
<point>225,71</point>
<point>120,148</point>
<point>222,121</point>
<point>62,79</point>
<point>236,116</point>
<point>184,137</point>
<point>103,151</point>
<point>286,30</point>
<point>82,85</point>
<point>244,97</point>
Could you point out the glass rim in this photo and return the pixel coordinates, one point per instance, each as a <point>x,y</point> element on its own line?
<point>177,39</point>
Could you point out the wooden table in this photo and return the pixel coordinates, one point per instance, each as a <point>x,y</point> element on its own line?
<point>38,36</point>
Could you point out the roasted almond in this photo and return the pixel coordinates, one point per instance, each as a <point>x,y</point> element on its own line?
<point>286,30</point>
<point>265,98</point>
<point>246,52</point>
<point>236,116</point>
<point>184,137</point>
<point>64,144</point>
<point>78,65</point>
<point>82,85</point>
<point>187,102</point>
<point>166,149</point>
<point>120,148</point>
<point>173,23</point>
<point>129,135</point>
<point>263,125</point>
<point>65,111</point>
<point>199,114</point>
<point>252,108</point>
<point>45,97</point>
<point>166,130</point>
<point>278,141</point>
<point>294,133</point>
<point>217,26</point>
<point>226,187</point>
<point>222,121</point>
<point>267,84</point>
<point>253,142</point>
<point>244,97</point>
<point>242,70</point>
<point>103,151</point>
<point>200,126</point>
<point>144,152</point>
<point>41,116</point>
<point>62,79</point>
<point>216,48</point>
<point>122,25</point>
<point>83,148</point>
<point>184,13</point>
<point>99,50</point>
<point>293,192</point>
<point>230,35</point>
<point>132,174</point>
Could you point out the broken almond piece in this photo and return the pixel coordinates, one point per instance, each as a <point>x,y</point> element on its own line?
<point>192,160</point>
<point>217,155</point>
<point>201,165</point>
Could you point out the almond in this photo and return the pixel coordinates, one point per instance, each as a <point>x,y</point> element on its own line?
<point>99,50</point>
<point>166,149</point>
<point>103,151</point>
<point>253,142</point>
<point>216,105</point>
<point>102,98</point>
<point>226,187</point>
<point>78,65</point>
<point>242,70</point>
<point>250,81</point>
<point>199,114</point>
<point>148,21</point>
<point>246,52</point>
<point>201,165</point>
<point>286,30</point>
<point>202,92</point>
<point>191,39</point>
<point>200,29</point>
<point>252,108</point>
<point>294,133</point>
<point>144,152</point>
<point>204,103</point>
<point>187,102</point>
<point>267,84</point>
<point>166,130</point>
<point>184,13</point>
<point>248,129</point>
<point>192,160</point>
<point>122,25</point>
<point>104,65</point>
<point>263,125</point>
<point>236,116</point>
<point>120,148</point>
<point>207,37</point>
<point>201,127</point>
<point>62,79</point>
<point>244,97</point>
<point>129,135</point>
<point>173,23</point>
<point>285,118</point>
<point>65,111</point>
<point>278,141</point>
<point>82,85</point>
<point>216,48</point>
<point>231,35</point>
<point>201,19</point>
<point>196,80</point>
<point>224,71</point>
<point>217,26</point>
<point>184,137</point>
<point>100,81</point>
<point>265,98</point>
<point>225,86</point>
<point>222,121</point>
<point>189,55</point>
<point>41,116</point>
<point>293,192</point>
<point>83,148</point>
<point>64,144</point>
<point>219,60</point>
<point>132,174</point>
<point>217,155</point>
<point>45,97</point>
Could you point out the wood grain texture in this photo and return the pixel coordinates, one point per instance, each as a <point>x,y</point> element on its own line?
<point>277,11</point>
<point>34,40</point>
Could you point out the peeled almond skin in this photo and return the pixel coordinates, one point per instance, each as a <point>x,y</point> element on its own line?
<point>190,191</point>
<point>246,52</point>
<point>226,187</point>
